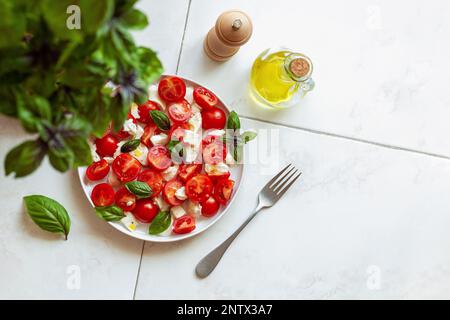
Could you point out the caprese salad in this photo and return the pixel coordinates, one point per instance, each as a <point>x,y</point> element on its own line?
<point>170,162</point>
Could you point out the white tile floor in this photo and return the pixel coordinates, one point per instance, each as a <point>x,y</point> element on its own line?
<point>361,213</point>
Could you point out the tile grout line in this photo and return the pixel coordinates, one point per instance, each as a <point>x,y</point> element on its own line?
<point>182,38</point>
<point>138,271</point>
<point>339,136</point>
<point>176,72</point>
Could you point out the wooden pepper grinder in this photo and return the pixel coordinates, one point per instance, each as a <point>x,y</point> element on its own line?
<point>233,29</point>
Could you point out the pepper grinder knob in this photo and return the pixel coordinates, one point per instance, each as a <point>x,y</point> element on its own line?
<point>232,30</point>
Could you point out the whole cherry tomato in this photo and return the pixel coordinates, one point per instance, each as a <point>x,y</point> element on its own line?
<point>213,118</point>
<point>106,145</point>
<point>145,210</point>
<point>210,207</point>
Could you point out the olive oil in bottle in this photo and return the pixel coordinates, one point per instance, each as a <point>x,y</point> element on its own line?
<point>280,78</point>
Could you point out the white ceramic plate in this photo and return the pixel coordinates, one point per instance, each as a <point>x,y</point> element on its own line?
<point>202,223</point>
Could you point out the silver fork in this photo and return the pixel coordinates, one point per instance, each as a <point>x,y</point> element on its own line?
<point>267,197</point>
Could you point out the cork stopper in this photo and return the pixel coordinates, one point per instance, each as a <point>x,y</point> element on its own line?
<point>299,67</point>
<point>232,30</point>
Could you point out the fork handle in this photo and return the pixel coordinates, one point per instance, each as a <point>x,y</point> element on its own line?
<point>210,261</point>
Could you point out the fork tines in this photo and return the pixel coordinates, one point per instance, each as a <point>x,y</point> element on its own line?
<point>283,181</point>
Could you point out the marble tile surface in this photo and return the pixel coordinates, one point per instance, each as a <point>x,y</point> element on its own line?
<point>363,222</point>
<point>165,31</point>
<point>381,67</point>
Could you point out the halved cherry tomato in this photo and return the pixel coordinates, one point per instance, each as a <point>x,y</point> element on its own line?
<point>145,210</point>
<point>126,167</point>
<point>169,192</point>
<point>102,195</point>
<point>199,188</point>
<point>122,134</point>
<point>106,145</point>
<point>187,171</point>
<point>97,170</point>
<point>144,111</point>
<point>210,207</point>
<point>171,89</point>
<point>205,98</point>
<point>214,153</point>
<point>154,179</point>
<point>149,131</point>
<point>159,157</point>
<point>184,224</point>
<point>213,118</point>
<point>215,176</point>
<point>223,190</point>
<point>180,111</point>
<point>125,199</point>
<point>177,132</point>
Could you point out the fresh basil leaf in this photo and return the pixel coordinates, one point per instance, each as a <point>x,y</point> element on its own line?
<point>95,13</point>
<point>79,77</point>
<point>134,19</point>
<point>130,145</point>
<point>62,159</point>
<point>28,120</point>
<point>248,136</point>
<point>110,213</point>
<point>147,64</point>
<point>233,121</point>
<point>70,68</point>
<point>160,119</point>
<point>42,108</point>
<point>12,25</point>
<point>24,158</point>
<point>8,105</point>
<point>139,189</point>
<point>48,214</point>
<point>55,15</point>
<point>73,125</point>
<point>160,223</point>
<point>81,150</point>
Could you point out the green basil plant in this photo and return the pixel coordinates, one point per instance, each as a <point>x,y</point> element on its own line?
<point>55,59</point>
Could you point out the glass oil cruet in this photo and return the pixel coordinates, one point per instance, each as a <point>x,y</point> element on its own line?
<point>280,78</point>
